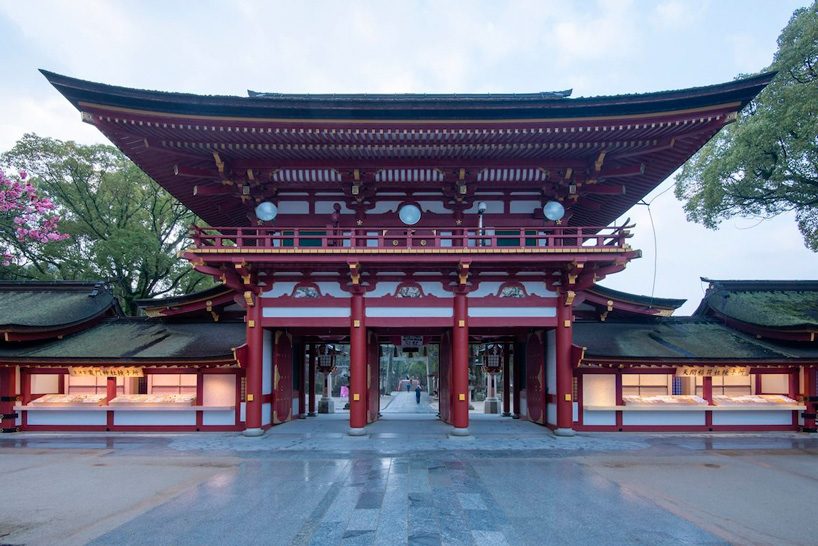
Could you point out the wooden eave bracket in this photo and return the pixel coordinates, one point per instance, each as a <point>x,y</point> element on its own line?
<point>355,273</point>
<point>463,272</point>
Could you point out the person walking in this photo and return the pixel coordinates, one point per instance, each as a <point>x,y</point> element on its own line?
<point>417,394</point>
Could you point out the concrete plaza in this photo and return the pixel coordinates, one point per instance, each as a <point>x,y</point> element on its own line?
<point>307,482</point>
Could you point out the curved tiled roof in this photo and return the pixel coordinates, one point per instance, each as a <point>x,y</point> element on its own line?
<point>128,339</point>
<point>786,305</point>
<point>39,307</point>
<point>688,338</point>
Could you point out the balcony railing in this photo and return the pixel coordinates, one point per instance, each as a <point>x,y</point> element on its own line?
<point>610,238</point>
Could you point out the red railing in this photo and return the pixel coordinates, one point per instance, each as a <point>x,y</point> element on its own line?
<point>611,237</point>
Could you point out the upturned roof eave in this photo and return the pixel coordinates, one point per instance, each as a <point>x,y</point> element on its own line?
<point>405,106</point>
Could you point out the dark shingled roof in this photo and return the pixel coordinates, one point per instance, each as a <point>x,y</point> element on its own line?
<point>136,339</point>
<point>36,305</point>
<point>663,303</point>
<point>688,338</point>
<point>407,105</point>
<point>791,305</point>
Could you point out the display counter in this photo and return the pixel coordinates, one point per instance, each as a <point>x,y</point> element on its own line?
<point>89,410</point>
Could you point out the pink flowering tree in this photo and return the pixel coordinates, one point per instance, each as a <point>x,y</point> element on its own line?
<point>30,216</point>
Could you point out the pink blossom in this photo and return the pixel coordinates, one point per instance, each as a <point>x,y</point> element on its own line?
<point>33,216</point>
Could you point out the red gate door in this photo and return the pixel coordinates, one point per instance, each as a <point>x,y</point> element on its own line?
<point>535,379</point>
<point>444,370</point>
<point>373,363</point>
<point>282,378</point>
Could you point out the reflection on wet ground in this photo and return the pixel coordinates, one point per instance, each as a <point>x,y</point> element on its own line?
<point>308,482</point>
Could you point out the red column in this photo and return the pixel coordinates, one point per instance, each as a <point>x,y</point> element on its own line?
<point>312,356</point>
<point>110,389</point>
<point>357,365</point>
<point>8,398</point>
<point>506,380</point>
<point>620,401</point>
<point>302,380</point>
<point>255,348</point>
<point>460,365</point>
<point>519,373</point>
<point>809,394</point>
<point>707,394</point>
<point>565,374</point>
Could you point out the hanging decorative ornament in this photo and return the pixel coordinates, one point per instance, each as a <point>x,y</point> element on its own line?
<point>409,214</point>
<point>553,210</point>
<point>266,211</point>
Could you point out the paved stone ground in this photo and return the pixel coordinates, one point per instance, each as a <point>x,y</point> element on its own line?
<point>307,482</point>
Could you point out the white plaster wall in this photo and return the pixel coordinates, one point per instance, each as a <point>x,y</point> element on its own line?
<point>42,383</point>
<point>302,312</point>
<point>598,417</point>
<point>154,418</point>
<point>67,417</point>
<point>551,362</point>
<point>669,418</point>
<point>220,417</point>
<point>435,289</point>
<point>280,288</point>
<point>331,289</point>
<point>219,390</point>
<point>772,417</point>
<point>538,289</point>
<point>485,289</point>
<point>599,390</point>
<point>775,382</point>
<point>267,362</point>
<point>383,289</point>
<point>512,312</point>
<point>523,207</point>
<point>266,414</point>
<point>243,411</point>
<point>551,414</point>
<point>293,207</point>
<point>434,312</point>
<point>325,207</point>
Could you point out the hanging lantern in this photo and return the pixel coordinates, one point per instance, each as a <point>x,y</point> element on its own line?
<point>493,358</point>
<point>326,359</point>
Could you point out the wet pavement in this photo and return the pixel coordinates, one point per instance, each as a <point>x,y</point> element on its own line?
<point>307,482</point>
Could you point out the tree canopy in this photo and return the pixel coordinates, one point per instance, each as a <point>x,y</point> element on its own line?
<point>122,227</point>
<point>766,163</point>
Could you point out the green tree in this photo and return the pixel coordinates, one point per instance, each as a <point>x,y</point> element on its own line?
<point>766,163</point>
<point>123,228</point>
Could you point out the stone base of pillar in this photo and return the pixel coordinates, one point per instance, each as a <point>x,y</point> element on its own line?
<point>357,432</point>
<point>491,405</point>
<point>326,405</point>
<point>253,432</point>
<point>311,414</point>
<point>506,414</point>
<point>566,432</point>
<point>515,416</point>
<point>459,431</point>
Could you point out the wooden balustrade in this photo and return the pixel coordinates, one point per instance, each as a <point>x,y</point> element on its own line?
<point>613,237</point>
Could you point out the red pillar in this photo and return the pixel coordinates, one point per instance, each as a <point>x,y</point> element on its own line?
<point>312,356</point>
<point>255,348</point>
<point>809,398</point>
<point>110,389</point>
<point>707,394</point>
<point>8,398</point>
<point>506,380</point>
<point>460,365</point>
<point>565,374</point>
<point>519,373</point>
<point>302,380</point>
<point>357,365</point>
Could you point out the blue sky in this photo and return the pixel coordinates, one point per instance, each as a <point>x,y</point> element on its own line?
<point>595,47</point>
